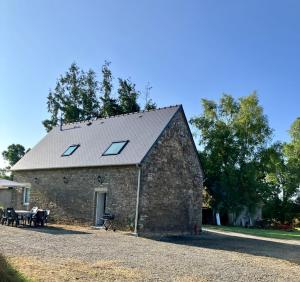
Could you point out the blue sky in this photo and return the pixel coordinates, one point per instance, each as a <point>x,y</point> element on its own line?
<point>187,50</point>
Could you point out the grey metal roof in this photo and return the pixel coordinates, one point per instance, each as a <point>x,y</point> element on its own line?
<point>141,129</point>
<point>7,183</point>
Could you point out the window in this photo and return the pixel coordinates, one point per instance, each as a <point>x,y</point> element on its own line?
<point>115,148</point>
<point>70,150</point>
<point>26,194</point>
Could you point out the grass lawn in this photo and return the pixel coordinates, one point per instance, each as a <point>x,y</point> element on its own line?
<point>9,274</point>
<point>269,233</point>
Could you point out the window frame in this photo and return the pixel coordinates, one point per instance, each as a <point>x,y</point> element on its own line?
<point>120,151</point>
<point>26,196</point>
<point>75,149</point>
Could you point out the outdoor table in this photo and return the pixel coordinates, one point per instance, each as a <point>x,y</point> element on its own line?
<point>24,214</point>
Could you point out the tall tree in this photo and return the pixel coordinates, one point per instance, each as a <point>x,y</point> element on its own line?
<point>292,151</point>
<point>90,101</point>
<point>110,105</point>
<point>291,173</point>
<point>74,97</point>
<point>283,175</point>
<point>233,134</point>
<point>13,153</point>
<point>128,96</point>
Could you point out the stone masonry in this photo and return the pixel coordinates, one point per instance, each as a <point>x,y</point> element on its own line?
<point>170,190</point>
<point>70,193</point>
<point>171,185</point>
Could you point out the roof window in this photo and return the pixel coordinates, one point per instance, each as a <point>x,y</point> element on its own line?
<point>70,150</point>
<point>115,148</point>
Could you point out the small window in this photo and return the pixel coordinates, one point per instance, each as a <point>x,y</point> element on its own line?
<point>70,150</point>
<point>26,194</point>
<point>115,148</point>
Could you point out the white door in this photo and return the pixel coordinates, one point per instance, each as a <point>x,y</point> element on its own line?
<point>100,207</point>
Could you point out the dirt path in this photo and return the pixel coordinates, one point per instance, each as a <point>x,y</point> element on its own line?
<point>60,253</point>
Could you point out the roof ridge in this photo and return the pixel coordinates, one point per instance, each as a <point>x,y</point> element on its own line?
<point>120,115</point>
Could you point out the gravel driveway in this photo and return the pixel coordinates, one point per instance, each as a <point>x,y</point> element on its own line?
<point>61,253</point>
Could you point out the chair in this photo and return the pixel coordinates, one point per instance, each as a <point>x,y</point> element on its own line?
<point>108,221</point>
<point>3,217</point>
<point>32,214</point>
<point>10,217</point>
<point>47,215</point>
<point>39,218</point>
<point>2,214</point>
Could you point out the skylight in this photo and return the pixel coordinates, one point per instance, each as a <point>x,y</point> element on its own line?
<point>115,148</point>
<point>70,150</point>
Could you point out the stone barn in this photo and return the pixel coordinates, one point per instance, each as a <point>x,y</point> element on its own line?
<point>142,167</point>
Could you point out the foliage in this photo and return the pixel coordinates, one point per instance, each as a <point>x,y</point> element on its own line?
<point>284,176</point>
<point>234,133</point>
<point>149,105</point>
<point>241,169</point>
<point>13,153</point>
<point>110,105</point>
<point>292,153</point>
<point>78,95</point>
<point>5,174</point>
<point>74,97</point>
<point>128,96</point>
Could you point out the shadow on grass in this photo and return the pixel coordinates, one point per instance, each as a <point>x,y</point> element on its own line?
<point>9,274</point>
<point>54,230</point>
<point>267,233</point>
<point>257,247</point>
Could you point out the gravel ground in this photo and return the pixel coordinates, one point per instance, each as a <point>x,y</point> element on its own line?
<point>65,253</point>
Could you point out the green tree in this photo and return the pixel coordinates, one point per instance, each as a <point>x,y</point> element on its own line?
<point>4,174</point>
<point>90,101</point>
<point>292,152</point>
<point>128,96</point>
<point>13,153</point>
<point>110,105</point>
<point>233,134</point>
<point>285,178</point>
<point>74,97</point>
<point>291,173</point>
<point>149,105</point>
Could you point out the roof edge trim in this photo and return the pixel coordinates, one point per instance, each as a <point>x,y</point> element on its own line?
<point>71,167</point>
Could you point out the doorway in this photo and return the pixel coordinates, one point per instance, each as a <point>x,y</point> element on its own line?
<point>100,207</point>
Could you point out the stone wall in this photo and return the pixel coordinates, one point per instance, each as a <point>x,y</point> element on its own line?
<point>12,198</point>
<point>17,199</point>
<point>171,184</point>
<point>170,195</point>
<point>70,193</point>
<point>6,198</point>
